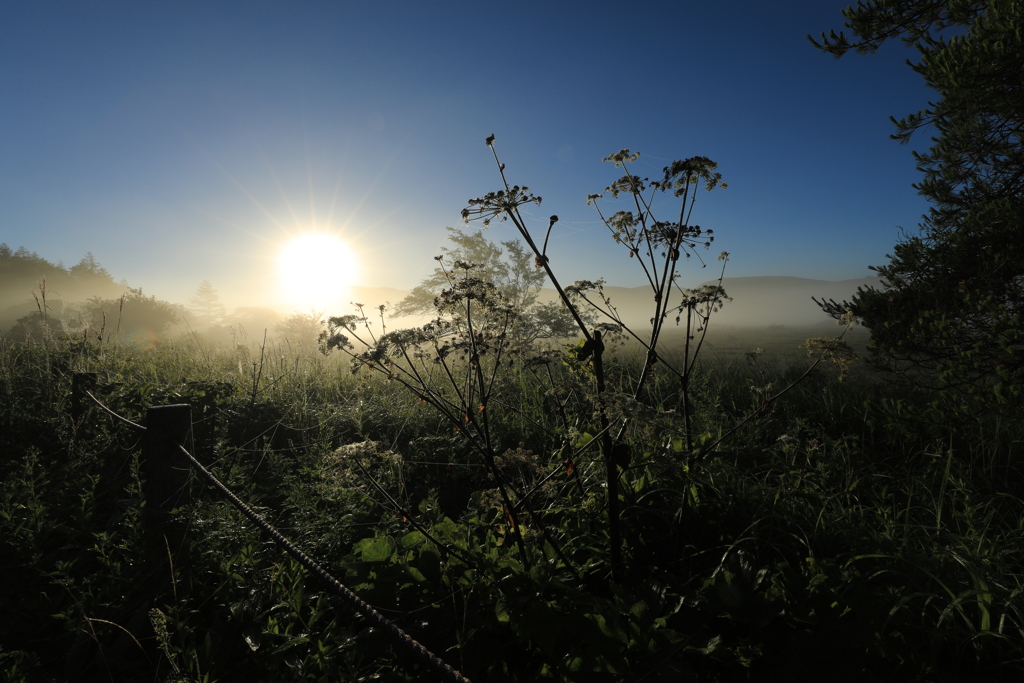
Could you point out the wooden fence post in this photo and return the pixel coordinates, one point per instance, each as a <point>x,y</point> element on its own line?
<point>165,472</point>
<point>81,382</point>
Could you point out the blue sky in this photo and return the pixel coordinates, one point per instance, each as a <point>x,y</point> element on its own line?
<point>189,141</point>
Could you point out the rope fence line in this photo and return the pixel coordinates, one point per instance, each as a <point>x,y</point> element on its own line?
<point>375,618</point>
<point>110,412</point>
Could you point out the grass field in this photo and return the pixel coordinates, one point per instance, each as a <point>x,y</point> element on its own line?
<point>827,537</point>
<point>784,343</point>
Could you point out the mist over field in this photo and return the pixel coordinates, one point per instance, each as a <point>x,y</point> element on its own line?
<point>754,302</point>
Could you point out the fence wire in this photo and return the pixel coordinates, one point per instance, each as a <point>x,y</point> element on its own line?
<point>375,618</point>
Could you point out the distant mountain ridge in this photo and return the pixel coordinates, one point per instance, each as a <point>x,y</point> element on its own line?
<point>372,297</point>
<point>756,301</point>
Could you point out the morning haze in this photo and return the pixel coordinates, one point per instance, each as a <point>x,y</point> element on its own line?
<point>87,295</point>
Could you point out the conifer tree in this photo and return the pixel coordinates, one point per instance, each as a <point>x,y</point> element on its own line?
<point>206,305</point>
<point>90,269</point>
<point>953,294</point>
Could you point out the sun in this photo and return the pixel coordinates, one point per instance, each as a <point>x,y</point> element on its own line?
<point>316,270</point>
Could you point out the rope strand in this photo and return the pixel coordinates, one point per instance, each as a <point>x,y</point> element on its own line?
<point>115,415</point>
<point>376,619</point>
<point>421,653</point>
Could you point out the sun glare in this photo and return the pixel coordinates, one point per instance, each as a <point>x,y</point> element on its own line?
<point>316,271</point>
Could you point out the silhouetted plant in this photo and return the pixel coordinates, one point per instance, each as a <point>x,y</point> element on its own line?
<point>453,363</point>
<point>657,246</point>
<point>474,319</point>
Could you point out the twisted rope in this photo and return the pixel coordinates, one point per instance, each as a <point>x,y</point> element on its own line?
<point>421,653</point>
<point>376,619</point>
<point>115,415</point>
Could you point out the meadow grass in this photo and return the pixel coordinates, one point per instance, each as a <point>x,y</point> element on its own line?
<point>819,540</point>
<point>783,344</point>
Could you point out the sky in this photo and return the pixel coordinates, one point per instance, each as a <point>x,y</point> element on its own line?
<point>187,141</point>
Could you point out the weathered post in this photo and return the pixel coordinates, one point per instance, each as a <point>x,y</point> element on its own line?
<point>81,382</point>
<point>165,472</point>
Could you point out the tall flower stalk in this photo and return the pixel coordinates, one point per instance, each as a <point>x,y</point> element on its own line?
<point>454,362</point>
<point>657,246</point>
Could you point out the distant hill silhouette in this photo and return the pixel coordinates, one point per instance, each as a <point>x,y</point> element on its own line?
<point>756,301</point>
<point>371,297</point>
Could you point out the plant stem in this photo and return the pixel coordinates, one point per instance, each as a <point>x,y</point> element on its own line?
<point>612,467</point>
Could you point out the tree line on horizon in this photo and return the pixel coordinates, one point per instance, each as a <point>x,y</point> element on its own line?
<point>42,300</point>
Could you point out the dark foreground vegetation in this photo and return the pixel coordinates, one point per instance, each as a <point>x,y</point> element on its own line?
<point>633,505</point>
<point>830,537</point>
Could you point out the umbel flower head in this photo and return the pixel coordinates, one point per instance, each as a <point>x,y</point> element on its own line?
<point>498,204</point>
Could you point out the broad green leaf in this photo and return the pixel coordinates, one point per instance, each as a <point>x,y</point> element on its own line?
<point>379,549</point>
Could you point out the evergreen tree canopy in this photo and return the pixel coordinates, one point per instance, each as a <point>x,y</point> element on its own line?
<point>90,275</point>
<point>22,270</point>
<point>953,293</point>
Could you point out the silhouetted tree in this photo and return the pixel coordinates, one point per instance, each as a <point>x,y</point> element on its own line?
<point>953,294</point>
<point>89,278</point>
<point>90,269</point>
<point>21,270</point>
<point>206,305</point>
<point>134,316</point>
<point>510,268</point>
<point>301,331</point>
